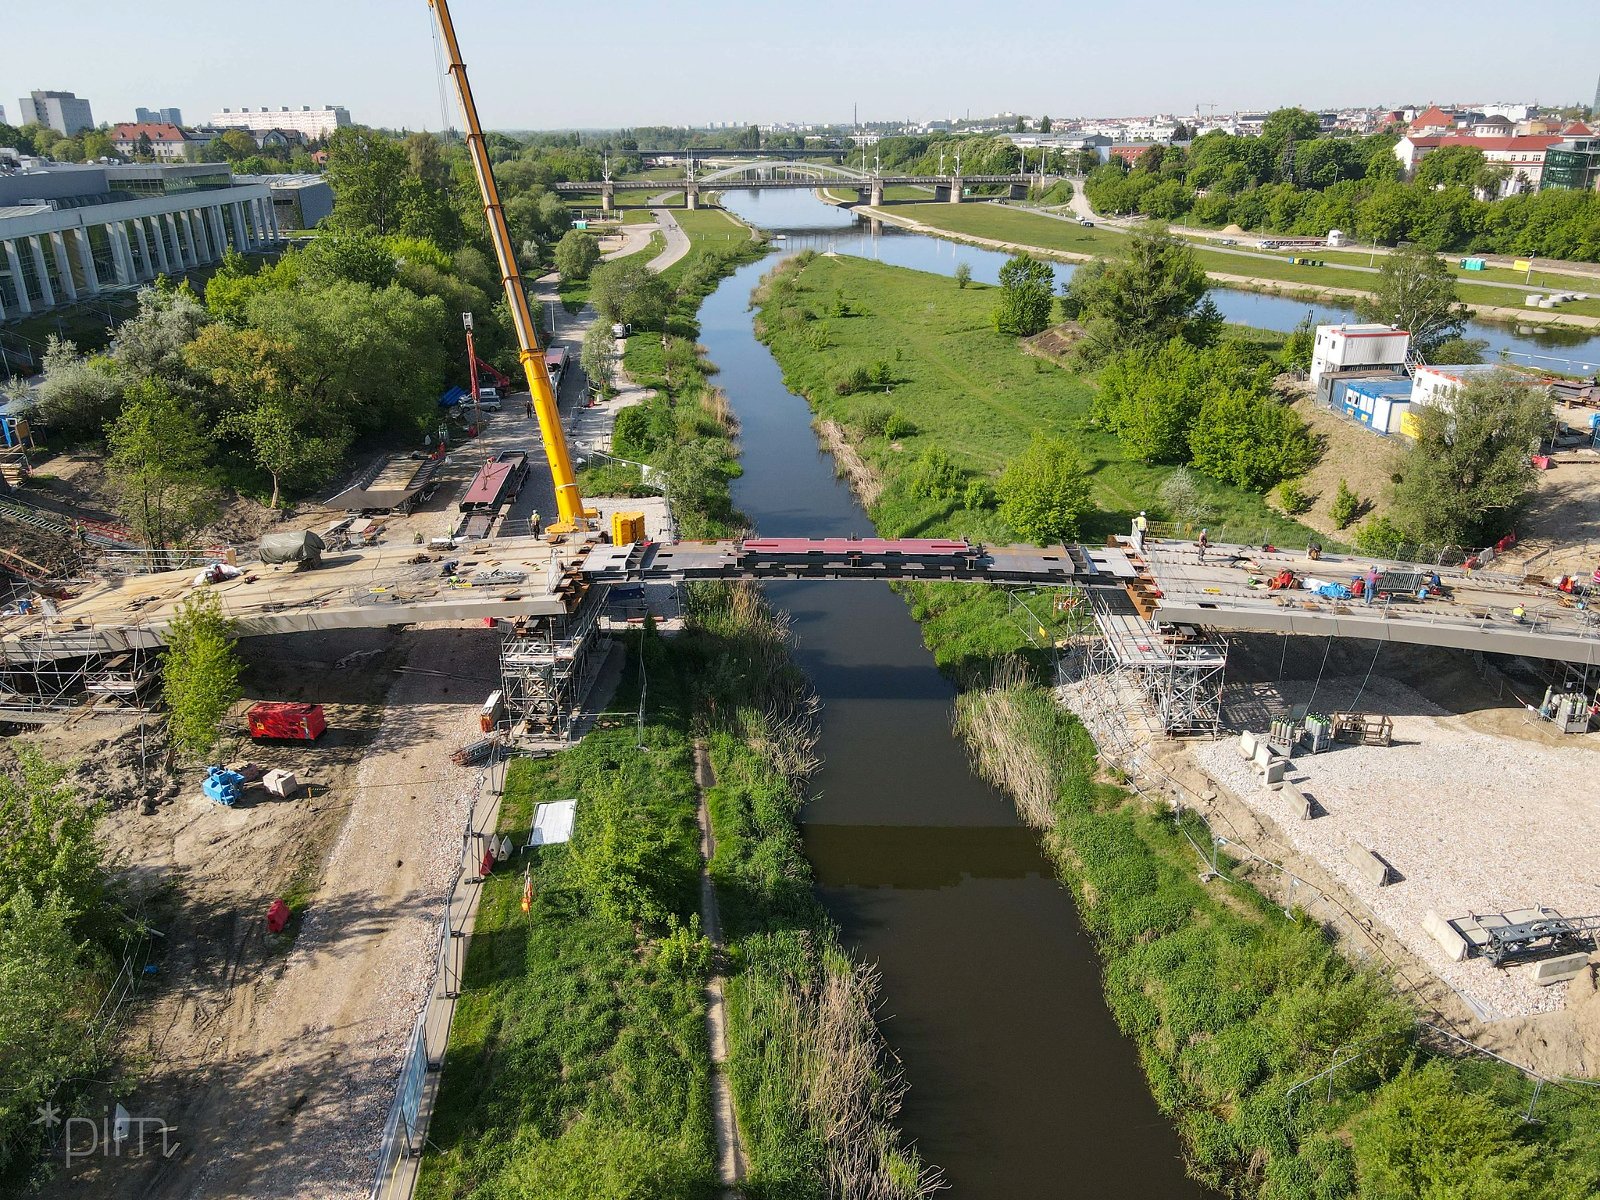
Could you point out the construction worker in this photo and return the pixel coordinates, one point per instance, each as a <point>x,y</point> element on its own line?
<point>530,404</point>
<point>1201,543</point>
<point>536,526</point>
<point>1140,524</point>
<point>1372,584</point>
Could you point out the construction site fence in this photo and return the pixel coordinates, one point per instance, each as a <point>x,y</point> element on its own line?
<point>145,560</point>
<point>1221,848</point>
<point>404,1131</point>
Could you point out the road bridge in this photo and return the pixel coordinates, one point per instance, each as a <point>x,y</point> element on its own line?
<point>794,174</point>
<point>1162,612</point>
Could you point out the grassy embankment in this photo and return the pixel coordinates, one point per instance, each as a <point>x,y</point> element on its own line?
<point>1229,1004</point>
<point>1023,228</point>
<point>578,1065</point>
<point>975,400</point>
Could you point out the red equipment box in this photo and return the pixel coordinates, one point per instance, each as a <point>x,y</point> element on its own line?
<point>271,719</point>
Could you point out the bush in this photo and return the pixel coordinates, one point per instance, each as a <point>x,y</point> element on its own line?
<point>1045,491</point>
<point>934,477</point>
<point>852,379</point>
<point>1250,442</point>
<point>1380,537</point>
<point>978,496</point>
<point>200,675</point>
<point>1345,506</point>
<point>1294,499</point>
<point>898,426</point>
<point>1179,496</point>
<point>875,420</point>
<point>1027,297</point>
<point>963,275</point>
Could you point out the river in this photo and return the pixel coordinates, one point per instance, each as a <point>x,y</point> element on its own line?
<point>1021,1084</point>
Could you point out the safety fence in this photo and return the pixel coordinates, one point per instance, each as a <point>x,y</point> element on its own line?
<point>405,1130</point>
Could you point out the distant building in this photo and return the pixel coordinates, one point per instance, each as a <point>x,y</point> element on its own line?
<point>298,201</point>
<point>312,122</point>
<point>1525,155</point>
<point>166,142</point>
<point>1492,127</point>
<point>1434,122</point>
<point>70,231</point>
<point>1573,164</point>
<point>158,116</point>
<point>62,111</point>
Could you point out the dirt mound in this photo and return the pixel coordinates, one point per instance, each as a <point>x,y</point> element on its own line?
<point>1232,230</point>
<point>1056,342</point>
<point>127,769</point>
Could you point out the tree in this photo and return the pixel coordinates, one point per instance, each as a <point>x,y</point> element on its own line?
<point>630,293</point>
<point>236,144</point>
<point>143,147</point>
<point>284,443</point>
<point>158,466</point>
<point>1299,345</point>
<point>97,144</point>
<point>963,275</point>
<point>1469,470</point>
<point>1044,124</point>
<point>1179,495</point>
<point>577,254</point>
<point>1416,292</point>
<point>1345,506</point>
<point>1146,298</point>
<point>1249,441</point>
<point>367,172</point>
<point>200,675</point>
<point>78,397</point>
<point>598,354</point>
<point>1044,493</point>
<point>1027,297</point>
<point>149,344</point>
<point>358,257</point>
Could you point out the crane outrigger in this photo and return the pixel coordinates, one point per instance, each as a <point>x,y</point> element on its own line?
<point>569,504</point>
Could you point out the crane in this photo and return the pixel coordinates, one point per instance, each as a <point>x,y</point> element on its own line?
<point>569,504</point>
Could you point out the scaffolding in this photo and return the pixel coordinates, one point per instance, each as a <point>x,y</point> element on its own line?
<point>49,669</point>
<point>1170,677</point>
<point>547,665</point>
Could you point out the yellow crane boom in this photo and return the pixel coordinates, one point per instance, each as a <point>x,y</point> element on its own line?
<point>569,504</point>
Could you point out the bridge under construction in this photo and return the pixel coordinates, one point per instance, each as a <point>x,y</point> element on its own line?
<point>1161,612</point>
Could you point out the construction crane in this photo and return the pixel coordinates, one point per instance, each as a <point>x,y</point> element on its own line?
<point>569,504</point>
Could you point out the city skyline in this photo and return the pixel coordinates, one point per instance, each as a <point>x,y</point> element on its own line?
<point>927,62</point>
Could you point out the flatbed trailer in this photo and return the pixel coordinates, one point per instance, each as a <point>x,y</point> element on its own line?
<point>497,481</point>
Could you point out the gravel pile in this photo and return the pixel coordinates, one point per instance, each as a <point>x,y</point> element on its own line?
<point>1472,823</point>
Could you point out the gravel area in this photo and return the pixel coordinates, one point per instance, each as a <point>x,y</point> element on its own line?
<point>1471,821</point>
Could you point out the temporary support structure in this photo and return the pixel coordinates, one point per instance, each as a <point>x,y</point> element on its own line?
<point>42,675</point>
<point>1177,673</point>
<point>547,665</point>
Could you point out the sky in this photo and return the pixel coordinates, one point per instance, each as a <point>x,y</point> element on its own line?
<point>635,62</point>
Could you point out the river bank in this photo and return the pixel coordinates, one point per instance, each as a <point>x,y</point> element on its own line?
<point>1229,1004</point>
<point>1314,294</point>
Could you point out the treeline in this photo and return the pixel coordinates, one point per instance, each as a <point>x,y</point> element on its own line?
<point>981,154</point>
<point>1291,180</point>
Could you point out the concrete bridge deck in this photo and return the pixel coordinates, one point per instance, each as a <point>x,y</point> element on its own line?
<point>1477,612</point>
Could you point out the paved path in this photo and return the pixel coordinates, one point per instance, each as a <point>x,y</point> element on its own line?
<point>634,239</point>
<point>677,241</point>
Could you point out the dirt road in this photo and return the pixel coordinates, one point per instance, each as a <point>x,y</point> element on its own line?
<point>277,1069</point>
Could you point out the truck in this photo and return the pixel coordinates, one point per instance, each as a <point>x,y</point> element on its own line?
<point>555,362</point>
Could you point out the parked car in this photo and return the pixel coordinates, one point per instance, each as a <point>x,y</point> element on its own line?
<point>1227,242</point>
<point>489,399</point>
<point>620,330</point>
<point>1085,222</point>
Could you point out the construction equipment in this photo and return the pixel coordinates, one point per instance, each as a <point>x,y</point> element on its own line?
<point>289,721</point>
<point>569,504</point>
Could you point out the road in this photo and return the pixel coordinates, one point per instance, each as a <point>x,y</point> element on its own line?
<point>677,241</point>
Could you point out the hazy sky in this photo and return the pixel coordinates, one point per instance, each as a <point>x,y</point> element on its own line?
<point>626,62</point>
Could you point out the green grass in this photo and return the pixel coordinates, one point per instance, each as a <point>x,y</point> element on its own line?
<point>578,1057</point>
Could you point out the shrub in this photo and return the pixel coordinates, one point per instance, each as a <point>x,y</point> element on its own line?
<point>1045,491</point>
<point>1380,537</point>
<point>1345,505</point>
<point>978,496</point>
<point>852,379</point>
<point>963,275</point>
<point>934,477</point>
<point>1179,496</point>
<point>1294,499</point>
<point>898,426</point>
<point>882,373</point>
<point>875,419</point>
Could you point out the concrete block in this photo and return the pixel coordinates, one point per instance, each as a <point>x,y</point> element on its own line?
<point>1559,970</point>
<point>1272,774</point>
<point>281,783</point>
<point>1263,755</point>
<point>1446,934</point>
<point>1247,745</point>
<point>1371,868</point>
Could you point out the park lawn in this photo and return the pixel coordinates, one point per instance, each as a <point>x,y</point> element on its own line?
<point>711,231</point>
<point>1008,224</point>
<point>907,191</point>
<point>578,1056</point>
<point>971,392</point>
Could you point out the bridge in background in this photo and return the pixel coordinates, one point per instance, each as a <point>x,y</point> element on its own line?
<point>792,173</point>
<point>1161,612</point>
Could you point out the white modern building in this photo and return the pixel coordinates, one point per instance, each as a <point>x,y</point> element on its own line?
<point>68,232</point>
<point>62,111</point>
<point>313,122</point>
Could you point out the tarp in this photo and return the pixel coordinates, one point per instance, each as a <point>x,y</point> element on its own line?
<point>454,396</point>
<point>300,545</point>
<point>552,823</point>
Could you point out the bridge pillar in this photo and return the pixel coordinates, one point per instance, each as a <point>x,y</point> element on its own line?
<point>1019,191</point>
<point>875,193</point>
<point>691,196</point>
<point>955,189</point>
<point>608,197</point>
